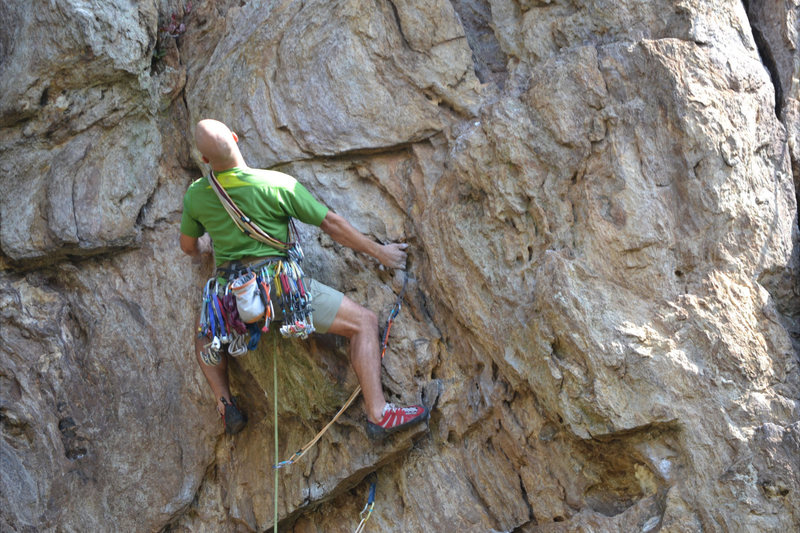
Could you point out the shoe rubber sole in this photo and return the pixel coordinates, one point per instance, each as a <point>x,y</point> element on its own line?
<point>374,431</point>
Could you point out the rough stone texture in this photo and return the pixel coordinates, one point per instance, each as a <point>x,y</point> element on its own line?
<point>602,297</point>
<point>97,405</point>
<point>319,78</point>
<point>75,81</point>
<point>775,30</point>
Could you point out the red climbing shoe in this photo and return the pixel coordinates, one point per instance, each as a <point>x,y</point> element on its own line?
<point>396,418</point>
<point>233,419</point>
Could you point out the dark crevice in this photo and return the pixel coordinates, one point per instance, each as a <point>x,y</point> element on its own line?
<point>142,215</point>
<point>399,25</point>
<point>355,154</point>
<point>767,56</point>
<point>768,42</point>
<point>531,515</point>
<point>489,59</point>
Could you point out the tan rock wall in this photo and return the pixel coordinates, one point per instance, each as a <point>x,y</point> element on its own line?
<point>602,285</point>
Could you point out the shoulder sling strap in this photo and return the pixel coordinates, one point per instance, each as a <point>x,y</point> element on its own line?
<point>247,226</point>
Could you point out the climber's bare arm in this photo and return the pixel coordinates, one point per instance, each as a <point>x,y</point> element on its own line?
<point>195,247</point>
<point>189,245</point>
<point>392,255</point>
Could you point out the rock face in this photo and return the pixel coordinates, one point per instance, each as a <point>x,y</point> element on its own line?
<point>601,302</point>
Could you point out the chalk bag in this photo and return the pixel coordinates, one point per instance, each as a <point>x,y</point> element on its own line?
<point>248,298</point>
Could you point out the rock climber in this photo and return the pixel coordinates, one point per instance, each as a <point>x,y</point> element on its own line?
<point>270,198</point>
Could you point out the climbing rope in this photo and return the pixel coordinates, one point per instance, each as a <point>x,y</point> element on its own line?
<point>275,412</point>
<point>310,444</point>
<point>385,344</point>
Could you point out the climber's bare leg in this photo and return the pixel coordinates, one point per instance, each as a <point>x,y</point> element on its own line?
<point>217,376</point>
<point>360,325</point>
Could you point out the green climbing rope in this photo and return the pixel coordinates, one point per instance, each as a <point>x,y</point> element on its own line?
<point>275,409</point>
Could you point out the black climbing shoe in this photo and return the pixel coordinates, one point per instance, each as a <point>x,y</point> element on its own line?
<point>396,418</point>
<point>233,418</point>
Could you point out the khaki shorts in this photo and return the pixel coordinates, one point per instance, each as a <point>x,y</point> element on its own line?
<point>325,302</point>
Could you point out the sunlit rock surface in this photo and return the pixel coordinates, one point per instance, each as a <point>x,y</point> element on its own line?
<point>601,299</point>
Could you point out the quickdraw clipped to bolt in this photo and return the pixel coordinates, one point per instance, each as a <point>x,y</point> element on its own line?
<point>398,304</point>
<point>368,508</point>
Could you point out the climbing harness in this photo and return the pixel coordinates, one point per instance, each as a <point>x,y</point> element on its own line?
<point>367,511</point>
<point>385,344</point>
<point>238,302</point>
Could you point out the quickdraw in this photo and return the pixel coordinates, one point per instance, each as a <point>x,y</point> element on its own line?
<point>367,511</point>
<point>398,305</point>
<point>212,324</point>
<point>295,300</point>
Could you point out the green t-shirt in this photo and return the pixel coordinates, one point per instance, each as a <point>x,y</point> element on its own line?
<point>268,197</point>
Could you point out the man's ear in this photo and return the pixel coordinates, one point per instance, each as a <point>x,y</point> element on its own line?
<point>235,137</point>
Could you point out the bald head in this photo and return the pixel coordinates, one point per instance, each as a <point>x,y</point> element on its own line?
<point>218,145</point>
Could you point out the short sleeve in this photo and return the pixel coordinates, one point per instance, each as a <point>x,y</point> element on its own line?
<point>305,207</point>
<point>189,225</point>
